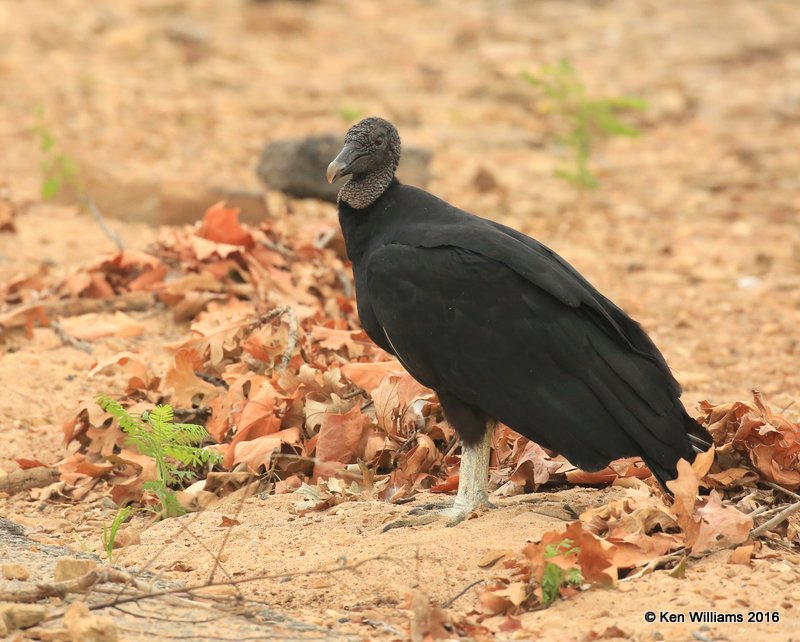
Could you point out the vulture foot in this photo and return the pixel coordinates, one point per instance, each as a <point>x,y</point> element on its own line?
<point>451,513</point>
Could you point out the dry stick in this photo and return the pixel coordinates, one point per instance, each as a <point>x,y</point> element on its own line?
<point>354,393</point>
<point>260,636</point>
<point>215,557</point>
<point>654,563</point>
<point>183,528</point>
<point>781,517</point>
<point>223,543</point>
<point>188,589</point>
<point>92,208</point>
<point>291,342</point>
<point>152,560</point>
<point>786,491</point>
<point>69,340</point>
<point>775,521</point>
<point>130,301</point>
<point>25,479</point>
<point>81,584</point>
<point>172,619</point>
<point>461,593</point>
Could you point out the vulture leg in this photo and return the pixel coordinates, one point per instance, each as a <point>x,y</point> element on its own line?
<point>472,494</point>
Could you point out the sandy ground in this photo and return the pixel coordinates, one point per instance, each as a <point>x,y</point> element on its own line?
<point>694,232</point>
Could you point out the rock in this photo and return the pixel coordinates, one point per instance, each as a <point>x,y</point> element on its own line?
<point>15,572</point>
<point>84,626</point>
<point>485,181</point>
<point>68,568</point>
<point>162,201</point>
<point>297,166</point>
<point>22,616</point>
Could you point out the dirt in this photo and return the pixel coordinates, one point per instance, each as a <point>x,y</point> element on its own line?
<point>694,232</point>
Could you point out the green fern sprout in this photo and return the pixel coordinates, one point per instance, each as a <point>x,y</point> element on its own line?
<point>155,435</point>
<point>554,577</point>
<point>583,119</point>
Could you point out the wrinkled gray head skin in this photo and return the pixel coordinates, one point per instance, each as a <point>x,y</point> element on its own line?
<point>370,156</point>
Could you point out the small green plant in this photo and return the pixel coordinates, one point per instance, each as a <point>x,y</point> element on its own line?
<point>110,533</point>
<point>584,119</point>
<point>58,168</point>
<point>349,114</point>
<point>555,577</point>
<point>155,435</point>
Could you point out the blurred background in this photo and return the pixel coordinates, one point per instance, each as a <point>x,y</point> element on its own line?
<point>162,107</point>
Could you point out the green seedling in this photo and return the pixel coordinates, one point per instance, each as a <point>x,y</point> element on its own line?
<point>555,577</point>
<point>582,120</point>
<point>110,533</point>
<point>59,170</point>
<point>170,444</point>
<point>349,114</point>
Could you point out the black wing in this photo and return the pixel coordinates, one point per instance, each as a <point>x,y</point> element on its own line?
<point>559,368</point>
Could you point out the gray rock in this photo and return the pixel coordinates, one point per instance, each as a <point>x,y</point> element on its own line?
<point>297,166</point>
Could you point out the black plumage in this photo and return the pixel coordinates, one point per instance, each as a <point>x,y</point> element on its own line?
<point>499,325</point>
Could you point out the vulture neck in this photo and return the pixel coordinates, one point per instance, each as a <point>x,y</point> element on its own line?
<point>362,191</point>
<point>363,227</point>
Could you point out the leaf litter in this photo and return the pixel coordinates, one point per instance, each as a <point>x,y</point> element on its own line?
<point>290,388</point>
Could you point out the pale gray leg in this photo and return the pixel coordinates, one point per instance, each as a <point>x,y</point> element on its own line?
<point>472,493</point>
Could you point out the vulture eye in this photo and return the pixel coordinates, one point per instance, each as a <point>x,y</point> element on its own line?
<point>378,142</point>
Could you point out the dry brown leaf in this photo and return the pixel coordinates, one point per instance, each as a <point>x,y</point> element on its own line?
<point>221,225</point>
<point>368,376</point>
<point>93,326</point>
<point>533,465</point>
<point>8,212</point>
<point>143,470</point>
<point>187,387</point>
<point>742,554</point>
<point>751,431</point>
<point>258,452</point>
<point>719,524</point>
<point>342,437</point>
<point>705,522</point>
<point>355,342</point>
<point>141,378</point>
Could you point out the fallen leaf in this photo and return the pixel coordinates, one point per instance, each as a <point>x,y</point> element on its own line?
<point>221,225</point>
<point>89,327</point>
<point>742,554</point>
<point>342,437</point>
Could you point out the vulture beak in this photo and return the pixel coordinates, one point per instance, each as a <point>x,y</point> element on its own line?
<point>341,164</point>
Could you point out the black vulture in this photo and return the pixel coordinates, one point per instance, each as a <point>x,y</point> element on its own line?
<point>501,327</point>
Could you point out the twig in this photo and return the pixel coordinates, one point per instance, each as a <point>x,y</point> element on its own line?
<point>69,340</point>
<point>377,624</point>
<point>775,521</point>
<point>92,208</point>
<point>654,564</point>
<point>130,301</point>
<point>291,342</point>
<point>27,478</point>
<point>354,393</point>
<point>786,491</point>
<point>261,636</point>
<point>255,578</point>
<point>461,593</point>
<point>280,249</point>
<point>223,543</point>
<point>80,584</point>
<point>172,619</point>
<point>322,240</point>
